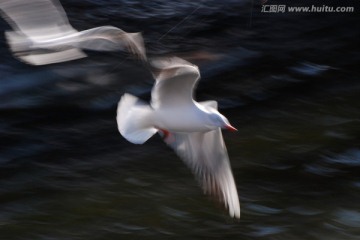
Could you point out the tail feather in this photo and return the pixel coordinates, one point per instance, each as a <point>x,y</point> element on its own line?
<point>134,119</point>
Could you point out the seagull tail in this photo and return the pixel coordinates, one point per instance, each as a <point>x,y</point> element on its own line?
<point>134,119</point>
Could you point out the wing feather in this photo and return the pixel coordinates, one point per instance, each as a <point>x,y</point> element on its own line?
<point>206,155</point>
<point>175,83</point>
<point>37,19</point>
<point>42,34</point>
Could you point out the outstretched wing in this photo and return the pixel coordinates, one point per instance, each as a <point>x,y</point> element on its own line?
<point>37,19</point>
<point>205,153</point>
<point>175,82</point>
<point>42,34</point>
<point>109,38</point>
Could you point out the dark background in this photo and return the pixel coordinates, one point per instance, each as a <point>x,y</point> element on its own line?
<point>288,81</point>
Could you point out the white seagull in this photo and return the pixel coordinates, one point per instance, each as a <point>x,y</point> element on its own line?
<point>43,35</point>
<point>192,129</point>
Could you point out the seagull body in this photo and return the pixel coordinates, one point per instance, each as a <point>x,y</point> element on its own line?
<point>43,35</point>
<point>192,129</point>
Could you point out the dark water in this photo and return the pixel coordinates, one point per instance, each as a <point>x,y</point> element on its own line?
<point>289,82</point>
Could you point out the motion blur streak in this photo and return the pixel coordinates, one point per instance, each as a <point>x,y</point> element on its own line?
<point>43,35</point>
<point>289,84</point>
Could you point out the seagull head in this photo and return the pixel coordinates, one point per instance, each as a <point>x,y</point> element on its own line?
<point>218,120</point>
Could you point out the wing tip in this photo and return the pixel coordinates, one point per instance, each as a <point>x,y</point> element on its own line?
<point>232,203</point>
<point>234,212</point>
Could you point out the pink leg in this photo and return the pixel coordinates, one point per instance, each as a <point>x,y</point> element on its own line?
<point>165,133</point>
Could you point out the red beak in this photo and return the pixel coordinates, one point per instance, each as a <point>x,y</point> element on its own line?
<point>230,128</point>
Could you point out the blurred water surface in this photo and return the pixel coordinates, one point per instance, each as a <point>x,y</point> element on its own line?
<point>289,82</point>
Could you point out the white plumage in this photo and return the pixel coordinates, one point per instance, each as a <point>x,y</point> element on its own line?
<point>42,34</point>
<point>192,129</point>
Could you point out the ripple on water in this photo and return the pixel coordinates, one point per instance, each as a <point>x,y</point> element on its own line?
<point>137,182</point>
<point>175,212</point>
<point>356,184</point>
<point>261,209</point>
<point>125,228</point>
<point>310,69</point>
<point>24,149</point>
<point>348,217</point>
<point>337,134</point>
<point>330,120</point>
<point>349,158</point>
<point>261,230</point>
<point>321,170</point>
<point>304,211</point>
<point>131,227</point>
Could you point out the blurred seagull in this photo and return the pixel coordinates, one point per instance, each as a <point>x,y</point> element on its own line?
<point>192,129</point>
<point>43,35</point>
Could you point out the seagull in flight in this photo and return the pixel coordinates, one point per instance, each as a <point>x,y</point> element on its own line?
<point>192,129</point>
<point>43,35</point>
